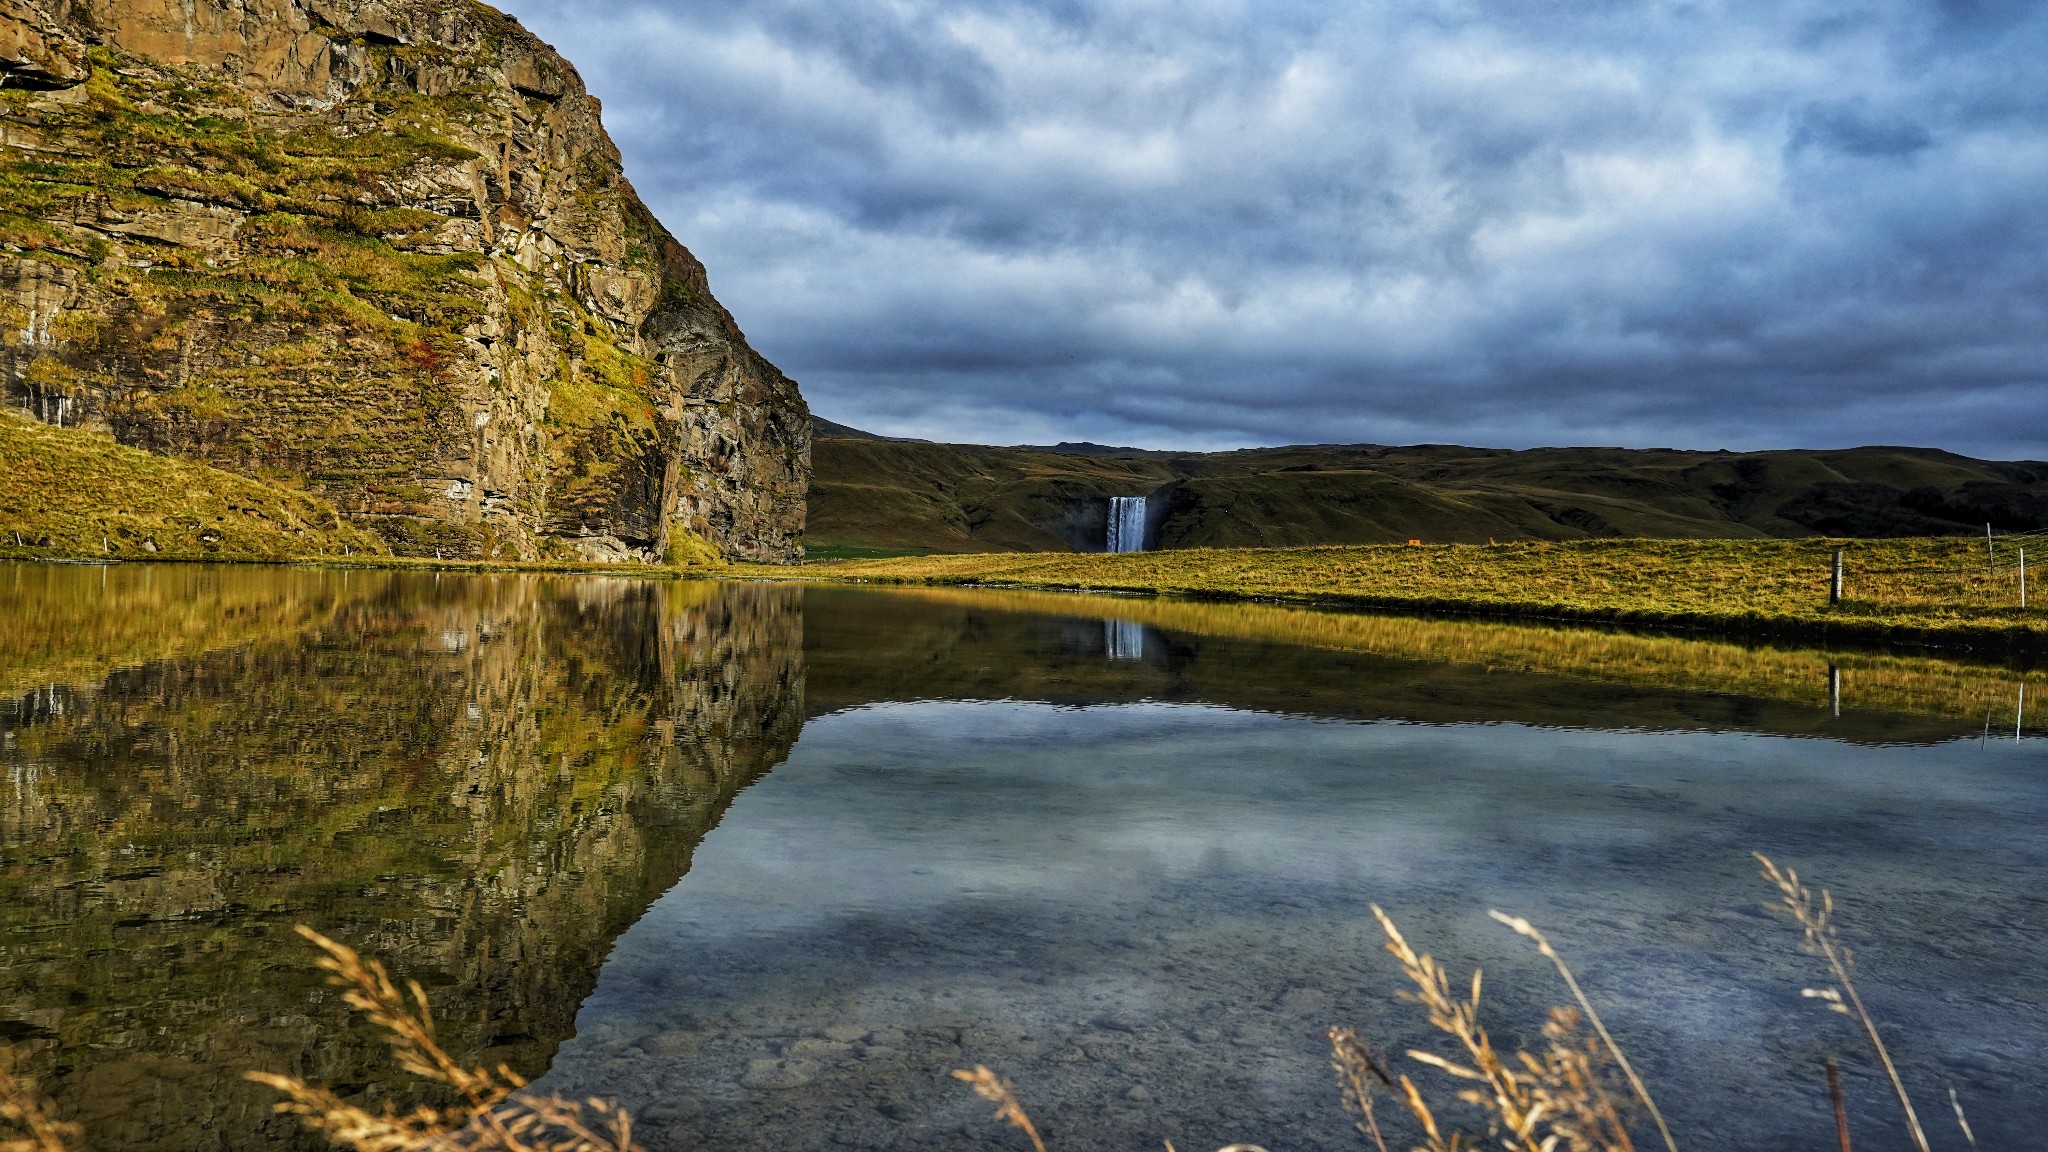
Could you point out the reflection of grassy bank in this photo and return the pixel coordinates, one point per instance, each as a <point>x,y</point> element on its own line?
<point>1905,589</point>
<point>1870,681</point>
<point>72,626</point>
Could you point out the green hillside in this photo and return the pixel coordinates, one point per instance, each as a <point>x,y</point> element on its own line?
<point>66,492</point>
<point>869,493</point>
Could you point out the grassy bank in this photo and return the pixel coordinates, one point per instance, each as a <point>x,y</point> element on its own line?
<point>72,494</point>
<point>1938,591</point>
<point>75,494</point>
<point>383,562</point>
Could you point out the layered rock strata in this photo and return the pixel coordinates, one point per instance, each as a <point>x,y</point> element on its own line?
<point>383,250</point>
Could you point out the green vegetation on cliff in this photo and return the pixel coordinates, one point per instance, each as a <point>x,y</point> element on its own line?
<point>65,492</point>
<point>315,280</point>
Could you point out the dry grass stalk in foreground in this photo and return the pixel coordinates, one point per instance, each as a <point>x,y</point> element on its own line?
<point>1816,918</point>
<point>493,1115</point>
<point>1534,1102</point>
<point>1357,1071</point>
<point>28,1122</point>
<point>1962,1121</point>
<point>996,1090</point>
<point>1522,927</point>
<point>1555,1101</point>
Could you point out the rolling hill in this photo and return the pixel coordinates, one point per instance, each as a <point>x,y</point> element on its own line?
<point>875,494</point>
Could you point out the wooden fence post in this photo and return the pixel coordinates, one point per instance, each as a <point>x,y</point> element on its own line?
<point>1835,586</point>
<point>2023,579</point>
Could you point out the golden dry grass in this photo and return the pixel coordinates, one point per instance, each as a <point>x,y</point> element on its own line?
<point>491,1112</point>
<point>28,1121</point>
<point>1816,919</point>
<point>1940,589</point>
<point>1576,1093</point>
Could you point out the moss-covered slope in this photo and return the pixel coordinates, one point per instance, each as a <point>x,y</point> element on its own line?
<point>72,492</point>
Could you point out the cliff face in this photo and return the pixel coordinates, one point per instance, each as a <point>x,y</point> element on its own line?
<point>382,249</point>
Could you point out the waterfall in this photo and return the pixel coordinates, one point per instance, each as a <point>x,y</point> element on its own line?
<point>1126,524</point>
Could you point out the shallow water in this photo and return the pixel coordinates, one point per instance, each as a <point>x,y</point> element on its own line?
<point>767,863</point>
<point>1147,914</point>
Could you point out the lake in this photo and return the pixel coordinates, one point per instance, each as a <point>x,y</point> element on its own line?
<point>766,862</point>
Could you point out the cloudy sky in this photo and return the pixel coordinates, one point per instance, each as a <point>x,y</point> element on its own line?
<point>1207,223</point>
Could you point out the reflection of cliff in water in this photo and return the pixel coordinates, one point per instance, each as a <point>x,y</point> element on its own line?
<point>481,780</point>
<point>71,625</point>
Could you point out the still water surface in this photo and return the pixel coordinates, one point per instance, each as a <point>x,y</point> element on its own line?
<point>766,863</point>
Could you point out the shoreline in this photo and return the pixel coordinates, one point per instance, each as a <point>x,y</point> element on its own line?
<point>1204,575</point>
<point>1778,593</point>
<point>2015,640</point>
<point>373,561</point>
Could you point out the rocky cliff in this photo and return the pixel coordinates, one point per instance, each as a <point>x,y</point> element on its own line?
<point>382,250</point>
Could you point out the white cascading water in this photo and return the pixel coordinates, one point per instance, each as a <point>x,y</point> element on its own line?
<point>1126,524</point>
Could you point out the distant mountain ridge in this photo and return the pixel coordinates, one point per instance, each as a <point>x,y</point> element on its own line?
<point>874,492</point>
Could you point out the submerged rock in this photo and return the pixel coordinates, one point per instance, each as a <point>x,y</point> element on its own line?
<point>385,250</point>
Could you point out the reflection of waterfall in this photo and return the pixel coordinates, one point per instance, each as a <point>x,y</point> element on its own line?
<point>1125,639</point>
<point>1126,524</point>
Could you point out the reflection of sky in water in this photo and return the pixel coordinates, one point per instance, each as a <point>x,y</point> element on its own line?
<point>1145,914</point>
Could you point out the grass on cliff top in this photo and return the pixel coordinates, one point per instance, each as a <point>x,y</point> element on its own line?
<point>1903,588</point>
<point>70,493</point>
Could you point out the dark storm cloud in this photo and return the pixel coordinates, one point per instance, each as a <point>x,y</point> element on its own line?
<point>1211,223</point>
<point>1849,128</point>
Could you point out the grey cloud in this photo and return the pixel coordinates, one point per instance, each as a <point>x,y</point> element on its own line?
<point>1213,223</point>
<point>1849,127</point>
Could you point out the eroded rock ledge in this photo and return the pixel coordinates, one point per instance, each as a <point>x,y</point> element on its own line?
<point>384,251</point>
